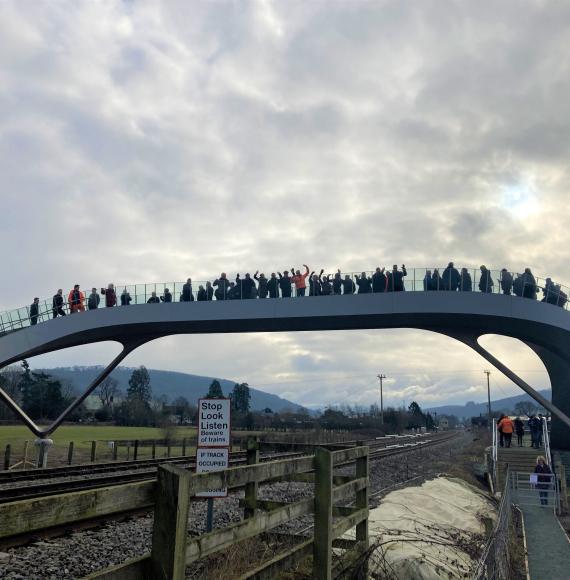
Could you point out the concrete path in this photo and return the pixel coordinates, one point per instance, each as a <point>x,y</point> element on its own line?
<point>547,543</point>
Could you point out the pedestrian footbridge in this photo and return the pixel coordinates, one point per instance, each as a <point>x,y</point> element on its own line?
<point>465,316</point>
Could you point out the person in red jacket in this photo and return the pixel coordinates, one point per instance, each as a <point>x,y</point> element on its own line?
<point>507,427</point>
<point>76,300</point>
<point>300,280</point>
<point>110,295</point>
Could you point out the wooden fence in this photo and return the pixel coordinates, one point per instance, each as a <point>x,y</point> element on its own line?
<point>172,549</point>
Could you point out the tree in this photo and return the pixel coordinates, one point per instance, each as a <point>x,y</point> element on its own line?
<point>430,423</point>
<point>525,408</point>
<point>215,391</point>
<point>241,397</point>
<point>108,391</point>
<point>182,409</point>
<point>416,416</point>
<point>139,386</point>
<point>41,395</point>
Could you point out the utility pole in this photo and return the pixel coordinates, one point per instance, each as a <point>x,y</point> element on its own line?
<point>381,378</point>
<point>488,400</point>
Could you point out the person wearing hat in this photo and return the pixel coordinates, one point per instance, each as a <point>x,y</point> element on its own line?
<point>34,311</point>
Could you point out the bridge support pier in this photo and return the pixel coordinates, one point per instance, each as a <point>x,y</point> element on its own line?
<point>43,446</point>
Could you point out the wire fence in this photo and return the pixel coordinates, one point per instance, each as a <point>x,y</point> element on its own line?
<point>290,285</point>
<point>496,561</point>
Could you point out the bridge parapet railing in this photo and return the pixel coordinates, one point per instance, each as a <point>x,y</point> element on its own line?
<point>173,550</point>
<point>416,280</point>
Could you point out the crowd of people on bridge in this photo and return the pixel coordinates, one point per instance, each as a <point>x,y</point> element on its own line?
<point>312,283</point>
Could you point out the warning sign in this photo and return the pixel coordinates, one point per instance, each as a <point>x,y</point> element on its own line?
<point>212,460</point>
<point>214,422</point>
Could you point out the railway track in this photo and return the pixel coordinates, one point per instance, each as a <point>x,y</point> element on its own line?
<point>39,483</point>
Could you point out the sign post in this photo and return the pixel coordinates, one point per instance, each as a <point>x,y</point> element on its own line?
<point>213,450</point>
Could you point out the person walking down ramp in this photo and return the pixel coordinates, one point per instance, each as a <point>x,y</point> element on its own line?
<point>76,300</point>
<point>507,427</point>
<point>544,479</point>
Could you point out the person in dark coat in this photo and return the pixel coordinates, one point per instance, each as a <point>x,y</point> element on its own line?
<point>285,284</point>
<point>544,479</point>
<point>436,283</point>
<point>529,285</point>
<point>315,284</point>
<point>348,286</point>
<point>110,296</point>
<point>187,294</point>
<point>427,281</point>
<point>395,282</point>
<point>57,304</point>
<point>154,299</point>
<point>202,296</point>
<point>167,296</point>
<point>234,292</point>
<point>337,283</point>
<point>262,281</point>
<point>34,311</point>
<point>125,298</point>
<point>465,284</point>
<point>450,278</point>
<point>485,281</point>
<point>553,294</point>
<point>245,286</point>
<point>209,291</point>
<point>223,287</point>
<point>519,430</point>
<point>506,281</point>
<point>534,427</point>
<point>364,283</point>
<point>326,286</point>
<point>379,280</point>
<point>93,300</point>
<point>273,286</point>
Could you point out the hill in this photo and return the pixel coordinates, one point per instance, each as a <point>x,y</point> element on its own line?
<point>171,384</point>
<point>471,409</point>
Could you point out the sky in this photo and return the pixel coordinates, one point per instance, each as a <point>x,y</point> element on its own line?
<point>145,141</point>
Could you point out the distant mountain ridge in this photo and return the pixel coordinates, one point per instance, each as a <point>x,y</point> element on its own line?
<point>506,405</point>
<point>172,384</point>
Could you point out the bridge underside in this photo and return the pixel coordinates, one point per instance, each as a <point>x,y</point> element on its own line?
<point>465,317</point>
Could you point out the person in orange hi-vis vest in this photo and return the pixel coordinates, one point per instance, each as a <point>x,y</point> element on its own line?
<point>507,426</point>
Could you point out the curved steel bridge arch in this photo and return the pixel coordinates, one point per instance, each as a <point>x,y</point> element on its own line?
<point>463,316</point>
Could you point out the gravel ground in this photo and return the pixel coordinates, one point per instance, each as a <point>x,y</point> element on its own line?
<point>81,553</point>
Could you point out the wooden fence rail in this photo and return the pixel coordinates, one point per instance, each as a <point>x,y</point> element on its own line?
<point>172,550</point>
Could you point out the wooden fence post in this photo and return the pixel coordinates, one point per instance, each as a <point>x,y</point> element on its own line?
<point>136,450</point>
<point>93,451</point>
<point>362,470</point>
<point>25,462</point>
<point>183,446</point>
<point>168,554</point>
<point>7,457</point>
<point>251,488</point>
<point>322,544</point>
<point>115,449</point>
<point>70,453</point>
<point>168,448</point>
<point>153,449</point>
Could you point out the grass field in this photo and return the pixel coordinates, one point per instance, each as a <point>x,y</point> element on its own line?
<point>82,436</point>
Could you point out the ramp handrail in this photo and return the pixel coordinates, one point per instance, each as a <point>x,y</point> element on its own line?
<point>495,451</point>
<point>546,439</point>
